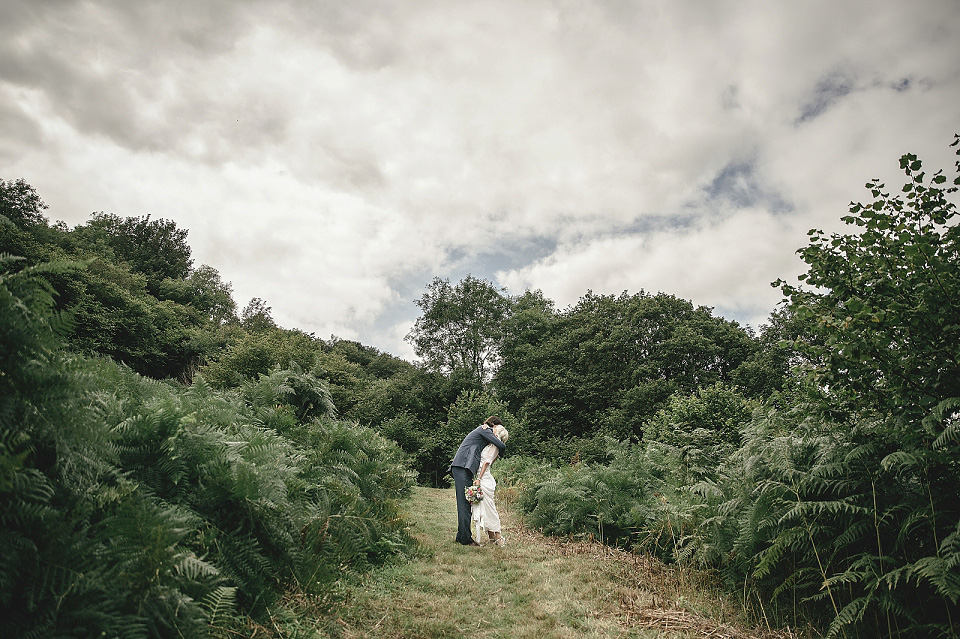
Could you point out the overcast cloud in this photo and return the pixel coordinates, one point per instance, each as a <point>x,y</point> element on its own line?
<point>333,157</point>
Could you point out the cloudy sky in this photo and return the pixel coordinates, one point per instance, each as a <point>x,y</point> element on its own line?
<point>333,157</point>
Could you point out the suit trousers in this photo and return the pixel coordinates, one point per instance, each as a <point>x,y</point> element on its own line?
<point>462,477</point>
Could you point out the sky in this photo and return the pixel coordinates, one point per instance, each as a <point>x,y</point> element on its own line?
<point>333,157</point>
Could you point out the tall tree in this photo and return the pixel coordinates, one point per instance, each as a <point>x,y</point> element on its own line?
<point>461,326</point>
<point>155,248</point>
<point>883,301</point>
<point>205,291</point>
<point>610,362</point>
<point>20,204</point>
<point>256,316</point>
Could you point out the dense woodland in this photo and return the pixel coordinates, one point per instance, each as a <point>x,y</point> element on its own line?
<point>173,467</point>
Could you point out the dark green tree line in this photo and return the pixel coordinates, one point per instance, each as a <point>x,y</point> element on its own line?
<point>609,363</point>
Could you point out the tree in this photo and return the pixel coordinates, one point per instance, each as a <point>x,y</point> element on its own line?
<point>20,204</point>
<point>610,362</point>
<point>461,326</point>
<point>256,317</point>
<point>375,362</point>
<point>703,428</point>
<point>157,249</point>
<point>205,291</point>
<point>885,299</point>
<point>774,365</point>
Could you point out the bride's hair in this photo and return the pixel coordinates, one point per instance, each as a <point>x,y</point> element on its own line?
<point>501,433</point>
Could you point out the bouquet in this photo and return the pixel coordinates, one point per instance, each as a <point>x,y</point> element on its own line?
<point>474,493</point>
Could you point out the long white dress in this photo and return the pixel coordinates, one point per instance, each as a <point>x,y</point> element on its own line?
<point>485,515</point>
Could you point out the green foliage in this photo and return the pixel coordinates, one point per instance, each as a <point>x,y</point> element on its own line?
<point>83,551</point>
<point>609,363</point>
<point>411,408</point>
<point>704,428</point>
<point>411,437</point>
<point>884,299</point>
<point>256,317</point>
<point>157,249</point>
<point>423,394</point>
<point>633,500</point>
<point>469,410</point>
<point>377,364</point>
<point>884,307</point>
<point>461,326</point>
<point>571,449</point>
<point>135,508</point>
<point>303,392</point>
<point>205,291</point>
<point>116,316</point>
<point>137,301</point>
<point>835,503</point>
<point>249,354</point>
<point>20,204</point>
<point>772,367</point>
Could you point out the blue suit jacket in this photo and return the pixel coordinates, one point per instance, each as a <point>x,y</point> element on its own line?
<point>468,455</point>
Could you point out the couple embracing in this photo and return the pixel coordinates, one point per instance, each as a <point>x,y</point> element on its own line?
<point>471,467</point>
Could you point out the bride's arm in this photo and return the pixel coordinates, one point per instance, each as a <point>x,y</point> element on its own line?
<point>483,469</point>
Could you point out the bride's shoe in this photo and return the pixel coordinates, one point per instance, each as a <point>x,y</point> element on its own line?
<point>501,542</point>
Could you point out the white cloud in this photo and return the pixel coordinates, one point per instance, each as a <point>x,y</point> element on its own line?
<point>729,263</point>
<point>331,158</point>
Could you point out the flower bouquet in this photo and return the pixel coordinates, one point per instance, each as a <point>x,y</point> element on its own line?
<point>474,493</point>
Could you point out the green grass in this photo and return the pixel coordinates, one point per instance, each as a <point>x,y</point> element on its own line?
<point>536,587</point>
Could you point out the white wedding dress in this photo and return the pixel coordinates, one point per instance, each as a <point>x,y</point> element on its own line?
<point>485,515</point>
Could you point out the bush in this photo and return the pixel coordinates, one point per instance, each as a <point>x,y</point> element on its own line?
<point>703,427</point>
<point>136,508</point>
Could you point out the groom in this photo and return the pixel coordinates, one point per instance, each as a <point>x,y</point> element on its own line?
<point>464,466</point>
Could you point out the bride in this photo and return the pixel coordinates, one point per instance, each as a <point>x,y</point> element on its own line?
<point>485,513</point>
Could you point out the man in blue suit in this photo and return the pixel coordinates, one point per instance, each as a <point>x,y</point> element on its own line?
<point>463,468</point>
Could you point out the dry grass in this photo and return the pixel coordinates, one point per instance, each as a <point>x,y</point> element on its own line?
<point>535,587</point>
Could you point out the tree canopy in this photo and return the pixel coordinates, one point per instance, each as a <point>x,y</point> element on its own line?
<point>461,326</point>
<point>610,362</point>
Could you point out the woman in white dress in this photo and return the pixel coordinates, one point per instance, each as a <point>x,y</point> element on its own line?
<point>485,513</point>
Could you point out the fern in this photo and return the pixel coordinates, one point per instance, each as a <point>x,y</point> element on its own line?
<point>945,416</point>
<point>132,508</point>
<point>219,603</point>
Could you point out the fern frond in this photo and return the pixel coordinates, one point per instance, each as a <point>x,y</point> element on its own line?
<point>850,614</point>
<point>195,569</point>
<point>900,461</point>
<point>219,602</point>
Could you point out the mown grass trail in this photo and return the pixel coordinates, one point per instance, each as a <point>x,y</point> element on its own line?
<point>535,587</point>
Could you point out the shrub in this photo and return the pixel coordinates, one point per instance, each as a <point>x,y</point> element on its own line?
<point>135,508</point>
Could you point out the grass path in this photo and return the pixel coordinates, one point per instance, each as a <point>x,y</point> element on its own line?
<point>536,587</point>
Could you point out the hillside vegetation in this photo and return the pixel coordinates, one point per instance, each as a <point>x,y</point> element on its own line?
<point>171,467</point>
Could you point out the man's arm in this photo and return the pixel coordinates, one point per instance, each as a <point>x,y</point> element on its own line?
<point>493,439</point>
